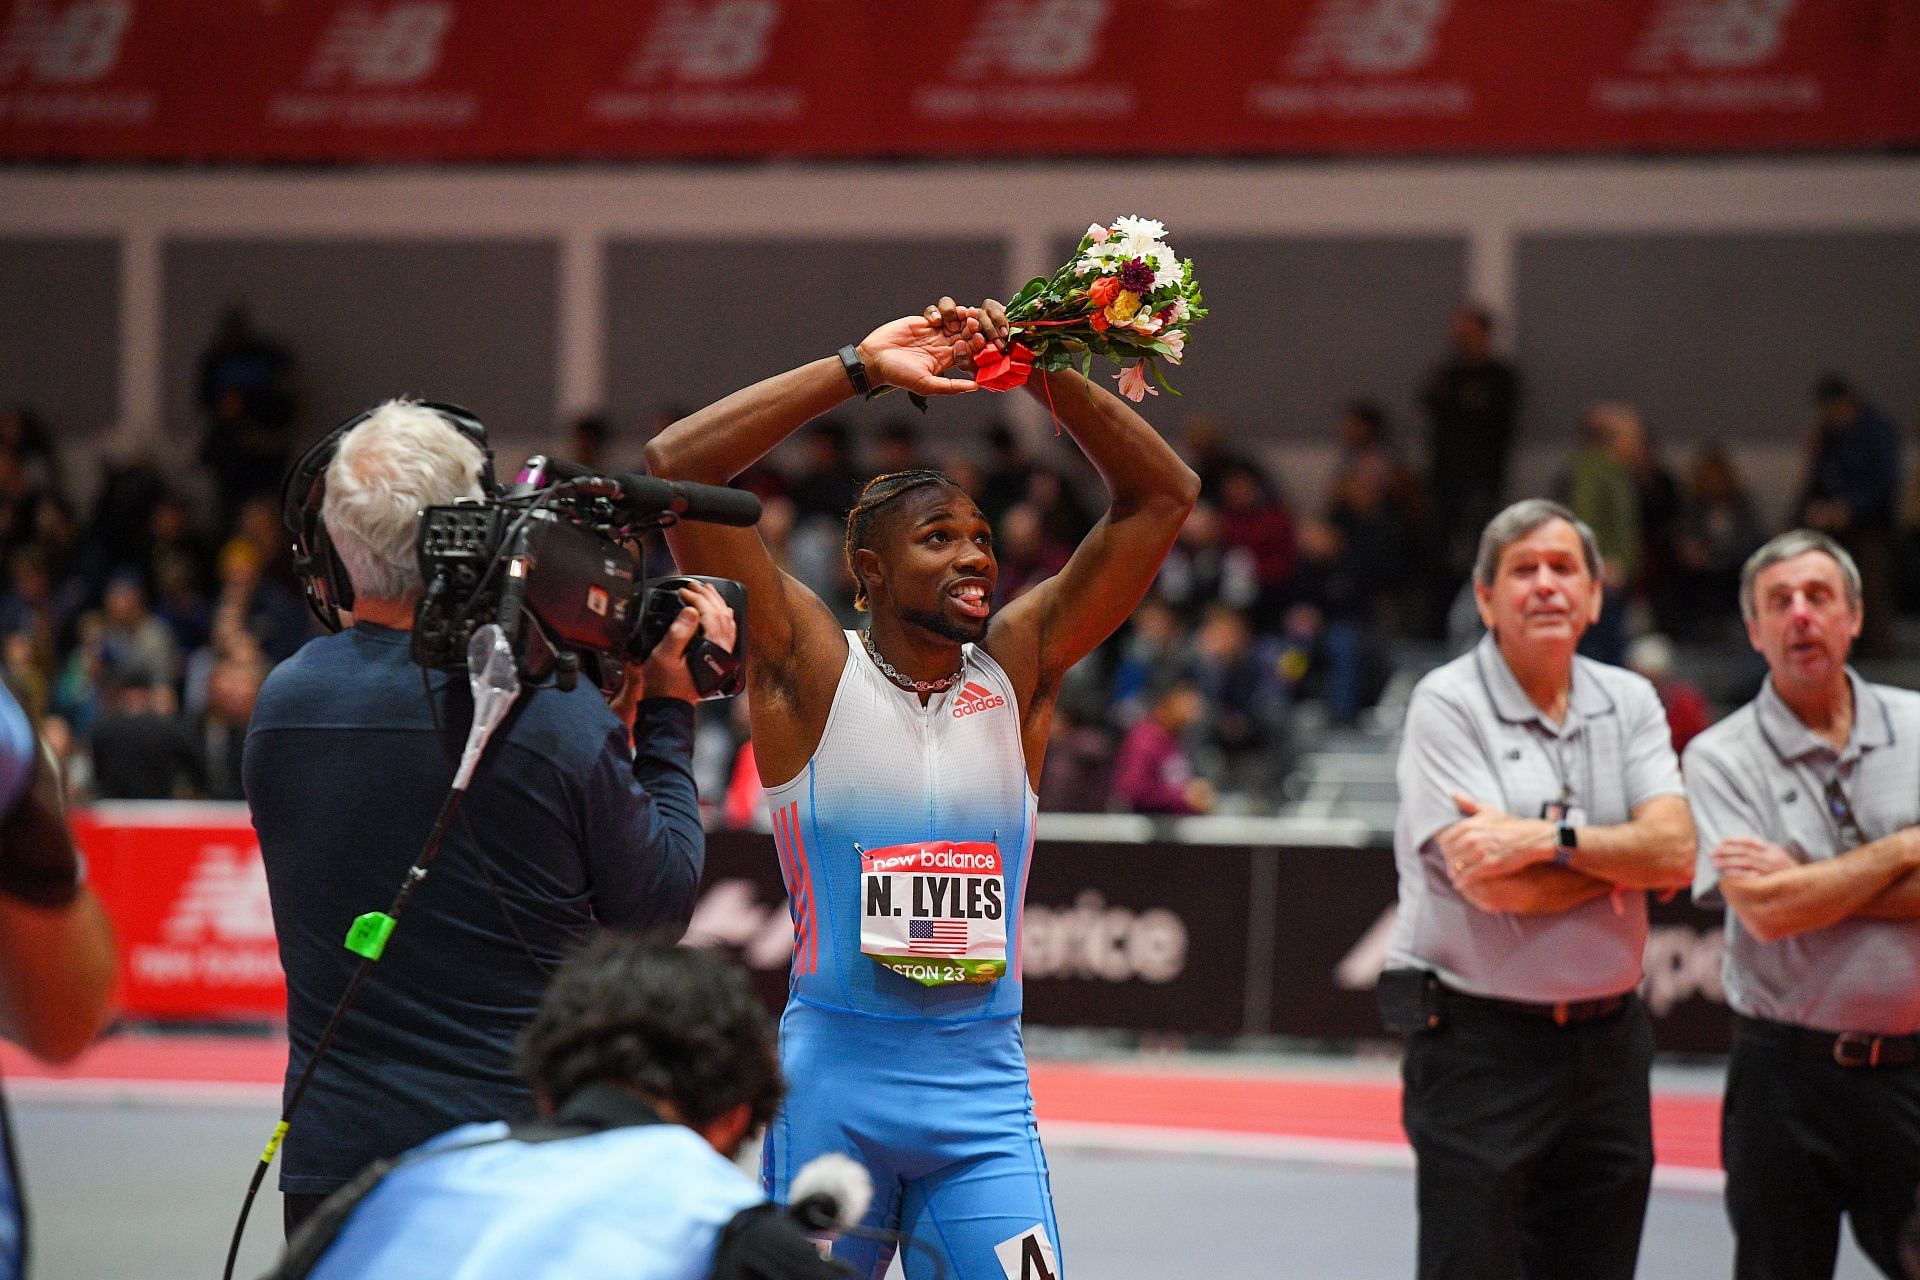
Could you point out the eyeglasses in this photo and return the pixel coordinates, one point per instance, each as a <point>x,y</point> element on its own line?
<point>1843,817</point>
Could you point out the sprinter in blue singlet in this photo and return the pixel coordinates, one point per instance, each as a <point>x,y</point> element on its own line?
<point>900,764</point>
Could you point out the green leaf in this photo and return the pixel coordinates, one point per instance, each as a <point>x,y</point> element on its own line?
<point>1153,366</point>
<point>919,401</point>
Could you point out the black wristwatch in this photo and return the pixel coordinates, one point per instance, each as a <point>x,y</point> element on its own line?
<point>856,370</point>
<point>1565,840</point>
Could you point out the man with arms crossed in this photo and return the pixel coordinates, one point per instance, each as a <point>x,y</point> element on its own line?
<point>1808,800</point>
<point>900,766</point>
<point>1539,800</point>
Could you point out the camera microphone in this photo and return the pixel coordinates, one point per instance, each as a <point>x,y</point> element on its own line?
<point>830,1193</point>
<point>707,503</point>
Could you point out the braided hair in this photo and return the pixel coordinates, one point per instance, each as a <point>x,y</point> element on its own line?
<point>875,495</point>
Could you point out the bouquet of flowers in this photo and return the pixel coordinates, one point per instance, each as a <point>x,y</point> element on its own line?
<point>1123,295</point>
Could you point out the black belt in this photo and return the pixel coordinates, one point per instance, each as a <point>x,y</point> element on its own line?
<point>1566,1013</point>
<point>1847,1048</point>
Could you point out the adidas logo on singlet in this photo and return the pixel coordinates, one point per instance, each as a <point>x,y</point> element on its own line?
<point>974,698</point>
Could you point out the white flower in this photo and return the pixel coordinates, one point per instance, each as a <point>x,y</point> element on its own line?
<point>1167,269</point>
<point>1141,228</point>
<point>1133,382</point>
<point>1144,322</point>
<point>1179,310</point>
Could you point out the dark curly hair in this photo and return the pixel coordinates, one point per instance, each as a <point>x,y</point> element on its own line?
<point>874,497</point>
<point>678,1024</point>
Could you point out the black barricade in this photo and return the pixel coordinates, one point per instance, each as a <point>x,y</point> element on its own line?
<point>1176,939</point>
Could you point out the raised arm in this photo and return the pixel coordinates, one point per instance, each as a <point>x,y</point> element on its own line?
<point>797,648</point>
<point>1039,636</point>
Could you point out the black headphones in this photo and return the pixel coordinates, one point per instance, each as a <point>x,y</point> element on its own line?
<point>328,588</point>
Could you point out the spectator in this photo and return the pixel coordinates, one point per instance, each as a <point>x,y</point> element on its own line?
<point>232,687</point>
<point>135,643</point>
<point>1352,563</point>
<point>142,750</point>
<point>1201,568</point>
<point>1851,492</point>
<point>24,433</point>
<point>1078,774</point>
<point>1150,650</point>
<point>1254,518</point>
<point>1651,656</point>
<point>1366,438</point>
<point>248,394</point>
<point>1658,505</point>
<point>1008,467</point>
<point>1600,491</point>
<point>1026,554</point>
<point>1718,530</point>
<point>31,605</point>
<point>1152,773</point>
<point>1472,401</point>
<point>26,674</point>
<point>1206,450</point>
<point>1063,517</point>
<point>19,503</point>
<point>1247,696</point>
<point>266,607</point>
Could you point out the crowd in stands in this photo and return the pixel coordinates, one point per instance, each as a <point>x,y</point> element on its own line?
<point>139,631</point>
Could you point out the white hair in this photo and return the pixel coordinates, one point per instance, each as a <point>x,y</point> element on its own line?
<point>403,459</point>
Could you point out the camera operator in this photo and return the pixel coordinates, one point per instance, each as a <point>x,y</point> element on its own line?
<point>56,947</point>
<point>652,1064</point>
<point>580,814</point>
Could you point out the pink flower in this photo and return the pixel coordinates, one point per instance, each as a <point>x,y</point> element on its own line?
<point>1133,382</point>
<point>1177,339</point>
<point>1097,233</point>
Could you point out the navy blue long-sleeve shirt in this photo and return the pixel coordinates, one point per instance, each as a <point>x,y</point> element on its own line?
<point>345,772</point>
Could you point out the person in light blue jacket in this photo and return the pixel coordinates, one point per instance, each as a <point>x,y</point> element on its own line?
<point>652,1064</point>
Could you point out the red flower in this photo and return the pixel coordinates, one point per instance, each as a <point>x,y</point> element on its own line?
<point>1100,321</point>
<point>1104,291</point>
<point>1136,277</point>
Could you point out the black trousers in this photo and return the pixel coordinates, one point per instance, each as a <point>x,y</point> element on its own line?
<point>1805,1140</point>
<point>1534,1144</point>
<point>296,1208</point>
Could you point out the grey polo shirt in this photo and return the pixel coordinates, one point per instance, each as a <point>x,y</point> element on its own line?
<point>1470,728</point>
<point>1762,773</point>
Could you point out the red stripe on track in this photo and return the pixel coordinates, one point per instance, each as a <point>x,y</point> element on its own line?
<point>1686,1126</point>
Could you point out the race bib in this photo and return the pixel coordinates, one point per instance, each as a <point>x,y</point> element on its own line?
<point>935,912</point>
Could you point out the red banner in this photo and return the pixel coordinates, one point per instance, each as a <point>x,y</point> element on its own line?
<point>187,894</point>
<point>351,80</point>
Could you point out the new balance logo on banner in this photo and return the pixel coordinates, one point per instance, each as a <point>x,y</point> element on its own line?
<point>974,698</point>
<point>66,45</point>
<point>224,900</point>
<point>374,46</point>
<point>705,43</point>
<point>1368,37</point>
<point>1711,35</point>
<point>1035,39</point>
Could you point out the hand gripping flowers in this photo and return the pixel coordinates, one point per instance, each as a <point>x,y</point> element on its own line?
<point>1123,296</point>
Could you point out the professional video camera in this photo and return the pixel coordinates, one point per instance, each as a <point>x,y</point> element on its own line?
<point>548,560</point>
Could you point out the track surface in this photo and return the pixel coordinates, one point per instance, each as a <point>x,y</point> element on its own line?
<point>137,1157</point>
